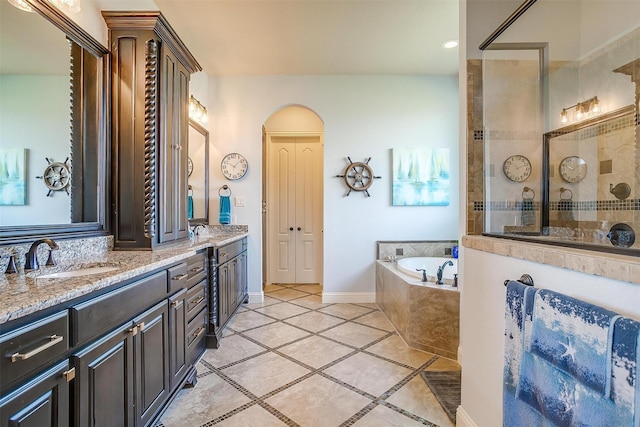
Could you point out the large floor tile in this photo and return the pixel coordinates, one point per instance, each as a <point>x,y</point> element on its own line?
<point>315,351</point>
<point>312,302</point>
<point>318,402</point>
<point>273,287</point>
<point>368,373</point>
<point>381,416</point>
<point>211,398</point>
<point>377,320</point>
<point>416,398</point>
<point>282,310</point>
<point>248,320</point>
<point>254,416</point>
<point>265,373</point>
<point>287,294</point>
<point>231,349</point>
<point>314,321</point>
<point>394,348</point>
<point>265,302</point>
<point>312,289</point>
<point>276,334</point>
<point>345,311</point>
<point>354,334</point>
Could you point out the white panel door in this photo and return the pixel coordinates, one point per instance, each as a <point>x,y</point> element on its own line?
<point>294,209</point>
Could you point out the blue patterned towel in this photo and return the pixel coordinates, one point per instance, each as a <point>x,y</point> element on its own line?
<point>225,210</point>
<point>568,362</point>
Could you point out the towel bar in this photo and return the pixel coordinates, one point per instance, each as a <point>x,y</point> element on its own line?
<point>525,279</point>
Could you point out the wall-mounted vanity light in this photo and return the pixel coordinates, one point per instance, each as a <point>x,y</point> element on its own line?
<point>197,111</point>
<point>583,109</point>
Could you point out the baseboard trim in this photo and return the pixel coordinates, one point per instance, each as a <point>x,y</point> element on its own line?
<point>348,297</point>
<point>256,297</point>
<point>463,419</point>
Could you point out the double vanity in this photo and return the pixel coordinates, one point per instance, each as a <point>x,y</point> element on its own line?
<point>110,339</point>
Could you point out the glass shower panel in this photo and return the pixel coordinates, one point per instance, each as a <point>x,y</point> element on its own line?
<point>513,129</point>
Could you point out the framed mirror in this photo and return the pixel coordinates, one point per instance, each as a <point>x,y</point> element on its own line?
<point>53,151</point>
<point>198,174</point>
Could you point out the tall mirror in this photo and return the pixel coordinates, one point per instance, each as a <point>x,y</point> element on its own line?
<point>198,171</point>
<point>52,126</point>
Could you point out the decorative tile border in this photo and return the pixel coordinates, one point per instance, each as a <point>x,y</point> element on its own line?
<point>587,205</point>
<point>260,400</point>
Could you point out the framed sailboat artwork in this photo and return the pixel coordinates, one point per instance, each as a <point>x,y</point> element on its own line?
<point>420,177</point>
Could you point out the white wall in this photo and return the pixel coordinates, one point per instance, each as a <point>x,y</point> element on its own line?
<point>35,114</point>
<point>364,116</point>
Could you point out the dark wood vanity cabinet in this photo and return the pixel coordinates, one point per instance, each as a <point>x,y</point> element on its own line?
<point>228,287</point>
<point>115,359</point>
<point>150,72</point>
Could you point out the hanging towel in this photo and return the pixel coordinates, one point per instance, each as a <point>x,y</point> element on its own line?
<point>528,212</point>
<point>225,210</point>
<point>577,365</point>
<point>190,207</point>
<point>565,208</point>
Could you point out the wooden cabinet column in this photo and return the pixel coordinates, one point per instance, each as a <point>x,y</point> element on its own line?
<point>150,71</point>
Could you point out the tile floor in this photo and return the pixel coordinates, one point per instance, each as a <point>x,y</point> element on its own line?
<point>292,360</point>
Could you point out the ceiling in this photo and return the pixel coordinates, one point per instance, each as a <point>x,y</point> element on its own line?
<point>318,37</point>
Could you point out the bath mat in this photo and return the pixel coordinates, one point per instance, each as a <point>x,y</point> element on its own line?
<point>445,385</point>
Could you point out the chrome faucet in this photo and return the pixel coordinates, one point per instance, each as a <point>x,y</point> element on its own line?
<point>441,271</point>
<point>31,261</point>
<point>424,273</point>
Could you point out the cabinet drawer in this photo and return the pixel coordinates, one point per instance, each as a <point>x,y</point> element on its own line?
<point>196,299</point>
<point>195,336</point>
<point>197,268</point>
<point>99,315</point>
<point>226,252</point>
<point>28,348</point>
<point>178,277</point>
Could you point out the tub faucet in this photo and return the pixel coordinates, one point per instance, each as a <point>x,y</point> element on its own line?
<point>31,260</point>
<point>441,271</point>
<point>424,273</point>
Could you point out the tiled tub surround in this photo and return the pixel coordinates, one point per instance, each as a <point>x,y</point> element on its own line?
<point>27,293</point>
<point>426,316</point>
<point>414,248</point>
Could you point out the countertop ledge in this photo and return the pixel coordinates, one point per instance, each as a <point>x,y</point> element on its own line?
<point>612,266</point>
<point>27,293</point>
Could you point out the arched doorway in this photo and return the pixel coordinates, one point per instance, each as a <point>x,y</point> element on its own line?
<point>293,196</point>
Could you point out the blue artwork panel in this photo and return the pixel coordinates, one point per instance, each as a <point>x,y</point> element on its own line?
<point>421,177</point>
<point>13,176</point>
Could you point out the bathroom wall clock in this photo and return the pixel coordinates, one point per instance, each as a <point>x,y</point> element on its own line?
<point>234,166</point>
<point>189,166</point>
<point>573,169</point>
<point>517,168</point>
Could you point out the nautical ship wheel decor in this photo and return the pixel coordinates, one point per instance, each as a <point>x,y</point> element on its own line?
<point>358,176</point>
<point>56,176</point>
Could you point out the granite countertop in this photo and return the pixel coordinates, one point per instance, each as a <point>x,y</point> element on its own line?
<point>27,293</point>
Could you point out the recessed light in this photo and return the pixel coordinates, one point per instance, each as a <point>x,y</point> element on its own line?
<point>450,44</point>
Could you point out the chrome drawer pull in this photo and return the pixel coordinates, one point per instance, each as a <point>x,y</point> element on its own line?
<point>53,340</point>
<point>180,276</point>
<point>197,270</point>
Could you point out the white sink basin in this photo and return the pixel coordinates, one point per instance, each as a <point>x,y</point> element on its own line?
<point>79,272</point>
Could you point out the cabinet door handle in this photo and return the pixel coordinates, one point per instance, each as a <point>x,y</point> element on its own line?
<point>299,228</point>
<point>141,326</point>
<point>175,303</point>
<point>223,254</point>
<point>53,340</point>
<point>69,375</point>
<point>180,276</point>
<point>290,228</point>
<point>197,270</point>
